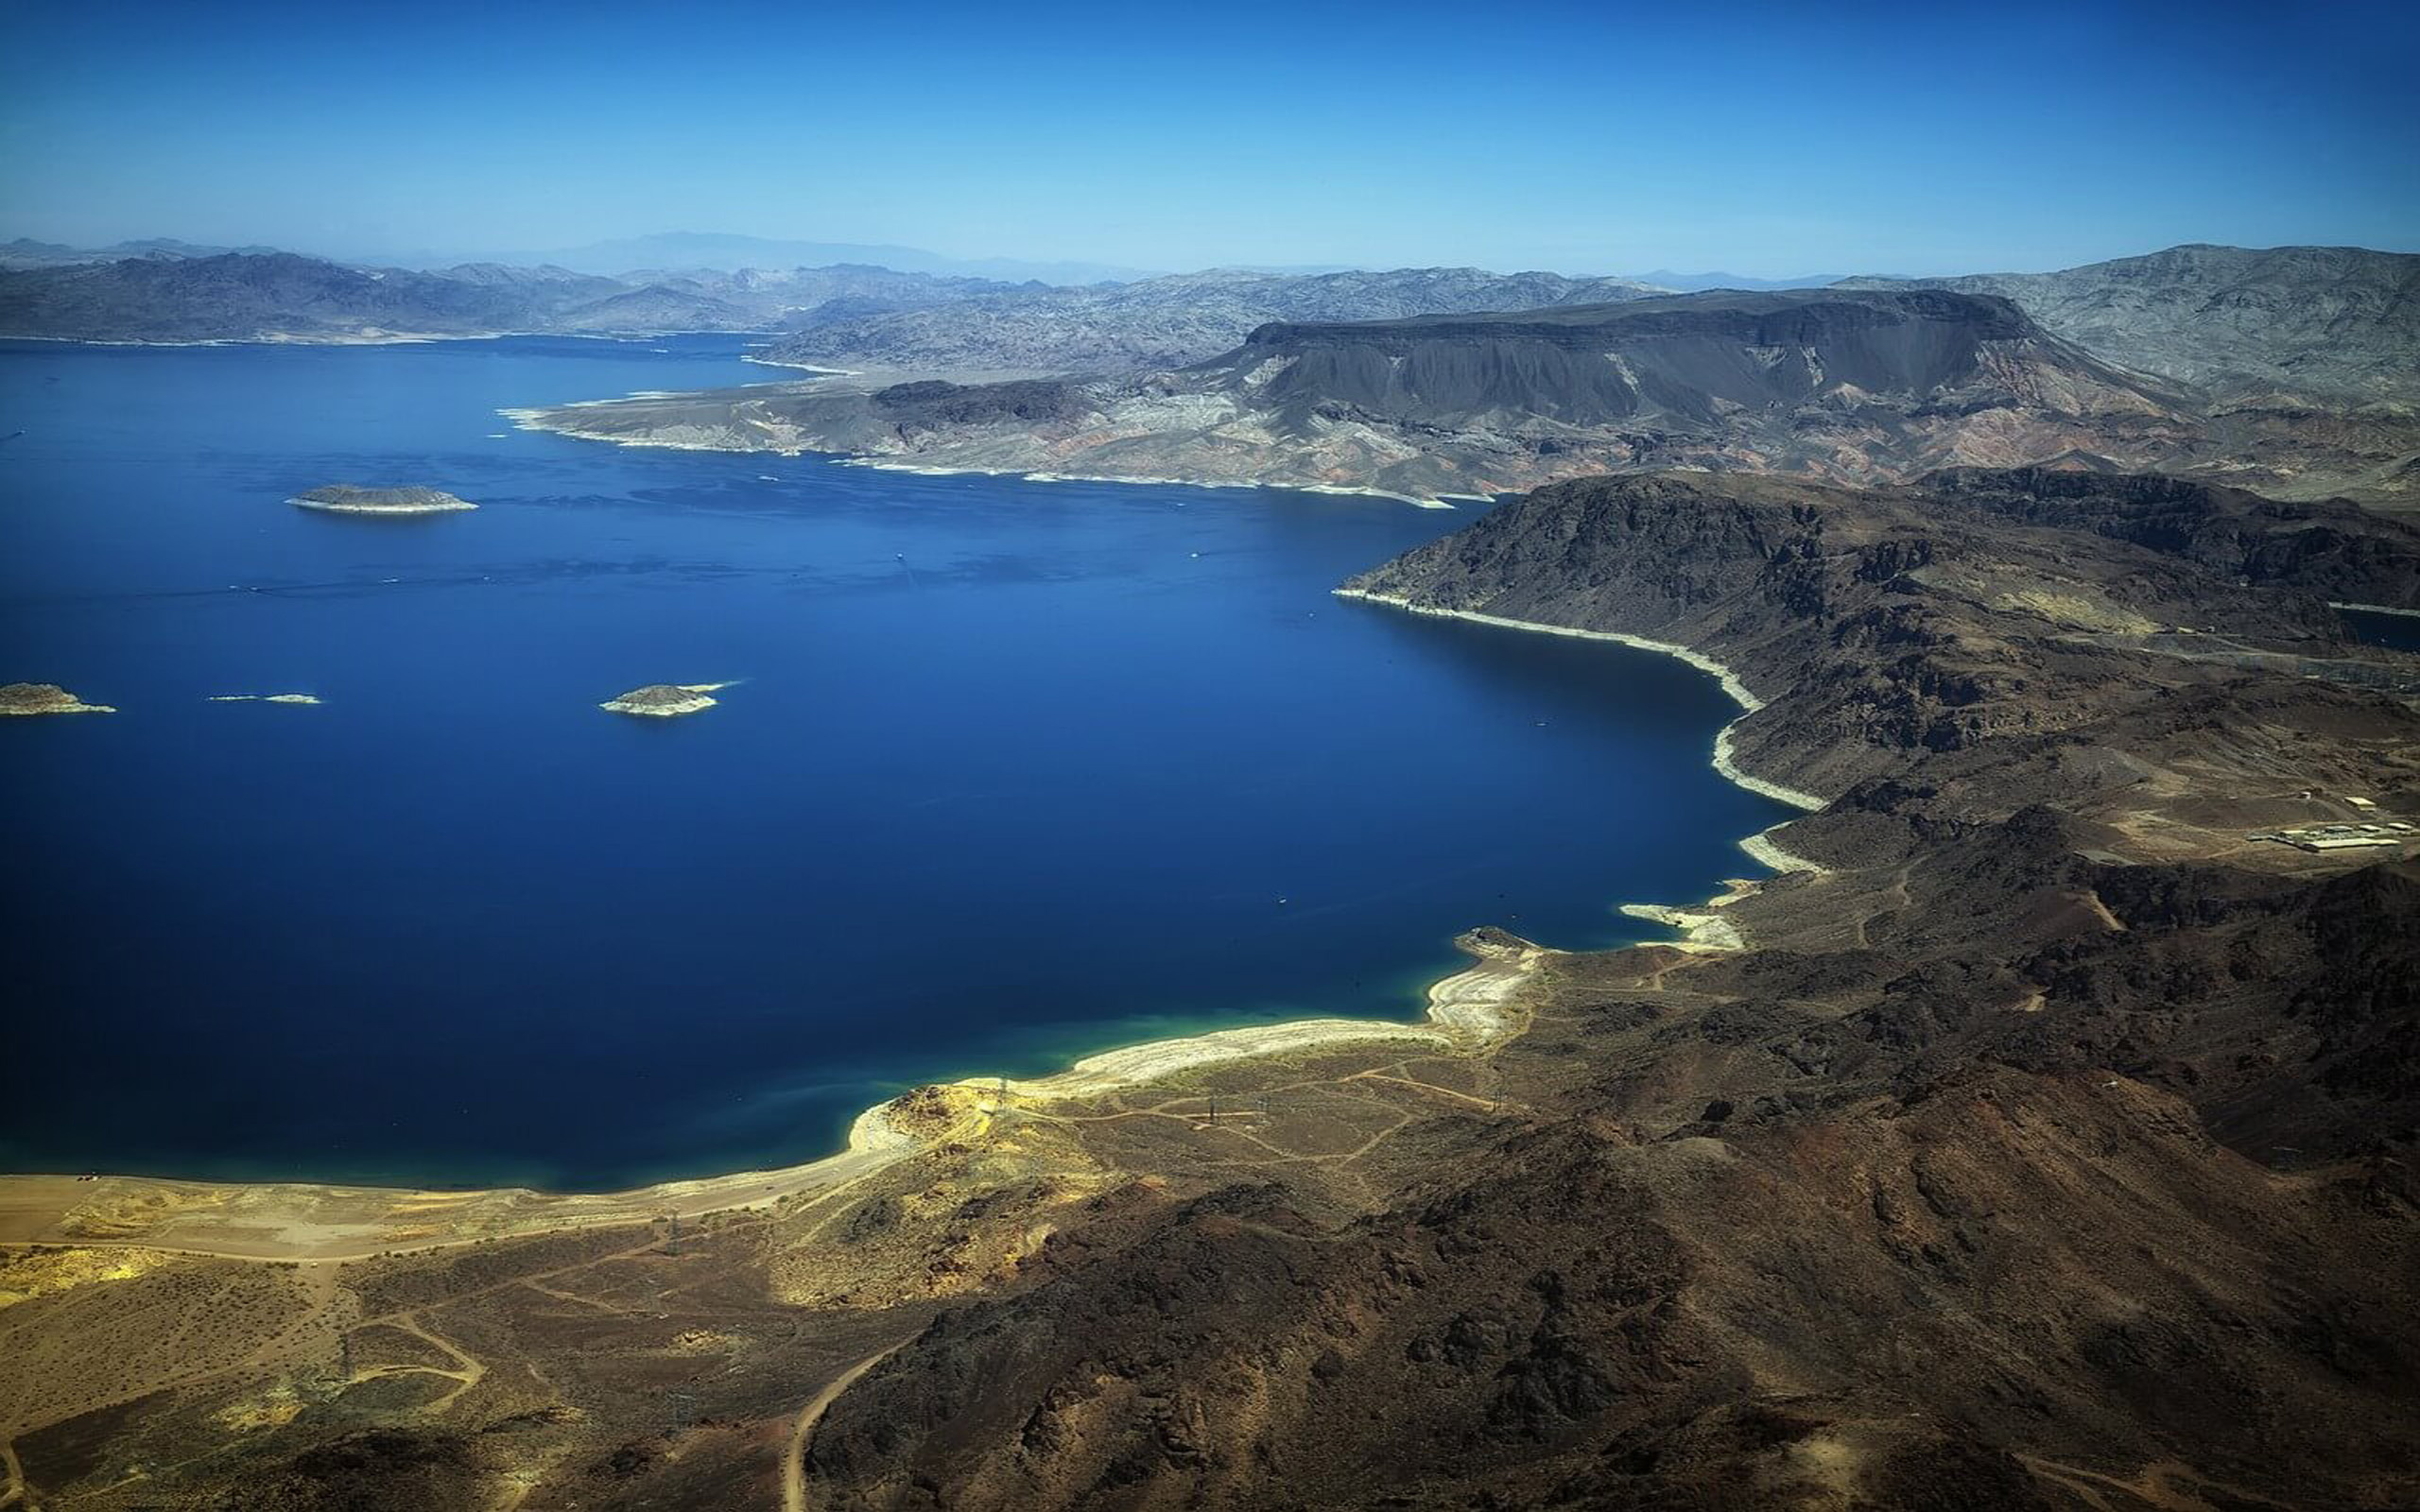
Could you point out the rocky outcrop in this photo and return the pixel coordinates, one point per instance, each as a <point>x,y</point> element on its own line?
<point>345,498</point>
<point>663,700</point>
<point>46,699</point>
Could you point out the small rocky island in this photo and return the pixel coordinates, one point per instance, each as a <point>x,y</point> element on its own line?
<point>344,498</point>
<point>665,700</point>
<point>46,699</point>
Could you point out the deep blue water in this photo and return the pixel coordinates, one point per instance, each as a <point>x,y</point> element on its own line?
<point>1011,772</point>
<point>2401,631</point>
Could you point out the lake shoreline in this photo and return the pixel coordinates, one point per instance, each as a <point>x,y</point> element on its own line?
<point>326,1222</point>
<point>532,419</point>
<point>333,1222</point>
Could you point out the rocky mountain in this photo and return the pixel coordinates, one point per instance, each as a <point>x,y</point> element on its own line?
<point>255,296</point>
<point>2313,323</point>
<point>1166,322</point>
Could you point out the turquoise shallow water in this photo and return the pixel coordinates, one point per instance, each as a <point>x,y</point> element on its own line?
<point>1010,772</point>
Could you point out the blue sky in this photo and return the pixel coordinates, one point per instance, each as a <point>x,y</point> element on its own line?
<point>1761,139</point>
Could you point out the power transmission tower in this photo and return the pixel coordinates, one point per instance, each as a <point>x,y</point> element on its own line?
<point>679,1411</point>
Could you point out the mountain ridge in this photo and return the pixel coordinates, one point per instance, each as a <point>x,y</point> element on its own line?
<point>2339,323</point>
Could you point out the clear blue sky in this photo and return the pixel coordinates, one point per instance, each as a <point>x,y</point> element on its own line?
<point>1761,139</point>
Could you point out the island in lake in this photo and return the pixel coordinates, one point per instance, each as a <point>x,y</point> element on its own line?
<point>46,699</point>
<point>665,700</point>
<point>344,498</point>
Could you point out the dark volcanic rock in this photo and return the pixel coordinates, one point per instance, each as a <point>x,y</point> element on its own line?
<point>1690,358</point>
<point>2332,548</point>
<point>935,403</point>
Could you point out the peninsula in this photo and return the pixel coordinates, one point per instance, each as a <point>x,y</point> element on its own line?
<point>1843,385</point>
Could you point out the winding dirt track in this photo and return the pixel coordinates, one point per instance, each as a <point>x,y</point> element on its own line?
<point>794,1462</point>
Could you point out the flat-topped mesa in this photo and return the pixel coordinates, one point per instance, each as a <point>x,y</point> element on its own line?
<point>1698,361</point>
<point>46,699</point>
<point>663,700</point>
<point>344,498</point>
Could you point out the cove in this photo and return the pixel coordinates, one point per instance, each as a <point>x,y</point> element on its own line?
<point>1008,772</point>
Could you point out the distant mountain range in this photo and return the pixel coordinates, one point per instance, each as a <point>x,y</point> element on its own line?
<point>1692,282</point>
<point>1165,322</point>
<point>694,252</point>
<point>716,252</point>
<point>280,296</point>
<point>26,252</point>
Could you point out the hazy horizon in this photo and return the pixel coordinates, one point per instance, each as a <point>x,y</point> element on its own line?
<point>1761,142</point>
<point>1004,265</point>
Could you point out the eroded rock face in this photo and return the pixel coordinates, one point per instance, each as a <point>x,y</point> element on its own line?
<point>46,699</point>
<point>663,701</point>
<point>344,498</point>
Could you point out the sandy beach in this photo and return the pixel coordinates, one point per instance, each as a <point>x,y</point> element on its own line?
<point>313,1222</point>
<point>1467,1010</point>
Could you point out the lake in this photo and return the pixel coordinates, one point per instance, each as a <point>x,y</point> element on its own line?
<point>1009,772</point>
